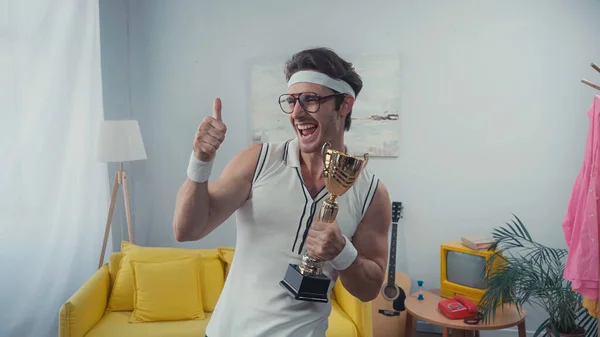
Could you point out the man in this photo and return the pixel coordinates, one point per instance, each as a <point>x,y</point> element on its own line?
<point>276,191</point>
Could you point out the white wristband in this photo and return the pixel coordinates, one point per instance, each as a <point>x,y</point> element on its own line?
<point>199,171</point>
<point>346,257</point>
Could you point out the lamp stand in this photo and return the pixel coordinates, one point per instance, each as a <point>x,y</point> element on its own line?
<point>120,180</point>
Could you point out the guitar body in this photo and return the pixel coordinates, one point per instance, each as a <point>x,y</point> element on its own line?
<point>393,325</point>
<point>389,316</point>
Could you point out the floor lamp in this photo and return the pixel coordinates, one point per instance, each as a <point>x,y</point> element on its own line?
<point>119,141</point>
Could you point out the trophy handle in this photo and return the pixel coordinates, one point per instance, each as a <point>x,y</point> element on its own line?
<point>366,156</point>
<point>324,149</point>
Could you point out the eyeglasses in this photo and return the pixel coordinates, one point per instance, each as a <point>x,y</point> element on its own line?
<point>309,101</point>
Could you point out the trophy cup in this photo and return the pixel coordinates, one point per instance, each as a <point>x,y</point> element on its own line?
<point>306,281</point>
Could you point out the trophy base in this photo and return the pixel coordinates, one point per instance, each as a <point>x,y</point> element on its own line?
<point>305,287</point>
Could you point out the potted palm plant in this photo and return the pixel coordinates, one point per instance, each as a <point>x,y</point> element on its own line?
<point>532,273</point>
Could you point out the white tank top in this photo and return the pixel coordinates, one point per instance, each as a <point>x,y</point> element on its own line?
<point>271,230</point>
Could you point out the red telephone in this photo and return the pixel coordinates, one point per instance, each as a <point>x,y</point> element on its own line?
<point>459,307</point>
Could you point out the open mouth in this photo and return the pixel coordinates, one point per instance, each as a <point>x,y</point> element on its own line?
<point>306,130</point>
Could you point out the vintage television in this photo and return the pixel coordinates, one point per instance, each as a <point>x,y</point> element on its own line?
<point>461,272</point>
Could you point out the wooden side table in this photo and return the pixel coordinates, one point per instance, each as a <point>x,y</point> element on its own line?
<point>427,311</point>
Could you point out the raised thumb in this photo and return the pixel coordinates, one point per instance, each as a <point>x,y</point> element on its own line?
<point>217,109</point>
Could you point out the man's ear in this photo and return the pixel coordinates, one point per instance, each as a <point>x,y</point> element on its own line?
<point>346,106</point>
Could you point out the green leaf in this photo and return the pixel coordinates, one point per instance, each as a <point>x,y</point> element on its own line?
<point>541,328</point>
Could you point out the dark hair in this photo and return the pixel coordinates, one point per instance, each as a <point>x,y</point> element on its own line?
<point>326,61</point>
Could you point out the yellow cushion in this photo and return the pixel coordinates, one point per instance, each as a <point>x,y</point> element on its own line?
<point>226,255</point>
<point>212,278</point>
<point>340,324</point>
<point>113,267</point>
<point>167,291</point>
<point>116,324</point>
<point>359,311</point>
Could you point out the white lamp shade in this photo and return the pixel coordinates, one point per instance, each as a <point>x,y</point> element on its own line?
<point>119,141</point>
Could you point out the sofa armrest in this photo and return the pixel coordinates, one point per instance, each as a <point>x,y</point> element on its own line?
<point>86,307</point>
<point>357,310</point>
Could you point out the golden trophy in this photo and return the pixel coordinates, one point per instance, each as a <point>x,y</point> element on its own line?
<point>306,281</point>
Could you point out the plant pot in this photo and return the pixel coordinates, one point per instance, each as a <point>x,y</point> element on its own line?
<point>581,333</point>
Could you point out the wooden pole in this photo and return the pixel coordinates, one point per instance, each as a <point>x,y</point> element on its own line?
<point>111,211</point>
<point>120,180</point>
<point>593,85</point>
<point>126,200</point>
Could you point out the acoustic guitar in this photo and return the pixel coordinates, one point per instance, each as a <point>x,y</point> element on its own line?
<point>388,316</point>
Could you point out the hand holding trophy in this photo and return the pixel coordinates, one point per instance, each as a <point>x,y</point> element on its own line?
<point>306,281</point>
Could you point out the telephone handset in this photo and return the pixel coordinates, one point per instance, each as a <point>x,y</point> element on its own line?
<point>471,307</point>
<point>460,307</point>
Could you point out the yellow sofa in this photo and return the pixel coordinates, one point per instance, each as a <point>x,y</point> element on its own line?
<point>91,312</point>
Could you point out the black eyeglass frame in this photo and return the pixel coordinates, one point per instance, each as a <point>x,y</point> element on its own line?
<point>297,98</point>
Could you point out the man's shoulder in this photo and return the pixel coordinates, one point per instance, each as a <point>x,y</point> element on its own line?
<point>368,179</point>
<point>378,187</point>
<point>368,188</point>
<point>280,145</point>
<point>258,149</point>
<point>263,157</point>
<point>273,151</point>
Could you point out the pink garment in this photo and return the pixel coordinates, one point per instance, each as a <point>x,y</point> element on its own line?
<point>580,224</point>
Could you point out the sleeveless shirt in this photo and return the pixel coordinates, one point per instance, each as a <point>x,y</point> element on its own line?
<point>272,227</point>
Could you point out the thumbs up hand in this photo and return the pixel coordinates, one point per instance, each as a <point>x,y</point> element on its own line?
<point>210,134</point>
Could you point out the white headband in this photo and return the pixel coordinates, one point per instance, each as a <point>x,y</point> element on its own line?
<point>322,79</point>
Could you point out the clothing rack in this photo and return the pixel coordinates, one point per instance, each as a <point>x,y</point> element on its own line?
<point>593,85</point>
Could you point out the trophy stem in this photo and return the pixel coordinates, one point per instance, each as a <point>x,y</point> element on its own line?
<point>329,210</point>
<point>311,265</point>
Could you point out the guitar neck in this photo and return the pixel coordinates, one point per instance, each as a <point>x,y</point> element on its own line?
<point>392,262</point>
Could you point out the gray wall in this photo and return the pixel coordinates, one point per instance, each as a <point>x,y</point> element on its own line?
<point>493,116</point>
